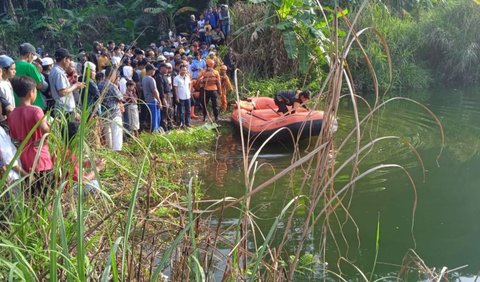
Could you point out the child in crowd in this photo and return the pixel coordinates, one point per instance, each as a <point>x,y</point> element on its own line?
<point>132,108</point>
<point>90,182</point>
<point>23,119</point>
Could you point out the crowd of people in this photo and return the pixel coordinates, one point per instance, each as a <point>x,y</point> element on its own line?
<point>126,88</point>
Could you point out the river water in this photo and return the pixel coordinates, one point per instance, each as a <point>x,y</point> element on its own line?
<point>446,224</point>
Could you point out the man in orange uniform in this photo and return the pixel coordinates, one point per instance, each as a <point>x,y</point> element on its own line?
<point>210,78</point>
<point>226,86</point>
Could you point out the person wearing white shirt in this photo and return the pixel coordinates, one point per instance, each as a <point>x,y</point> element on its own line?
<point>60,87</point>
<point>183,88</point>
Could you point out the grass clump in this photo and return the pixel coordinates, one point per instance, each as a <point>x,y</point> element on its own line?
<point>186,141</point>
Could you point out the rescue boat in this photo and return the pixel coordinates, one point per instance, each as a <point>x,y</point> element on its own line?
<point>260,119</point>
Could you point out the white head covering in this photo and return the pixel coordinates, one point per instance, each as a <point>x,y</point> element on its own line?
<point>47,61</point>
<point>91,65</point>
<point>128,72</point>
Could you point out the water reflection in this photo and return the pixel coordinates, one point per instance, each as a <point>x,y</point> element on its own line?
<point>446,227</point>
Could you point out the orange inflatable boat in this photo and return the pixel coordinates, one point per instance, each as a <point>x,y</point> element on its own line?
<point>259,118</point>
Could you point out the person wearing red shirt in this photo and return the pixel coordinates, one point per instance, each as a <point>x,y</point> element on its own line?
<point>23,119</point>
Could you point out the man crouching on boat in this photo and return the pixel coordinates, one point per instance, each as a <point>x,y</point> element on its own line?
<point>296,99</point>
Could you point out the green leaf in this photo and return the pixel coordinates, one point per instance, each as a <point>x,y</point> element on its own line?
<point>317,33</point>
<point>111,262</point>
<point>290,44</point>
<point>284,25</point>
<point>303,58</point>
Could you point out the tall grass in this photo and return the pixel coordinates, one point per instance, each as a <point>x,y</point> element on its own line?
<point>72,236</point>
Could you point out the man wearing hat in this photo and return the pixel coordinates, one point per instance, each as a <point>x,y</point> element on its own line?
<point>24,67</point>
<point>161,59</point>
<point>60,87</point>
<point>47,65</point>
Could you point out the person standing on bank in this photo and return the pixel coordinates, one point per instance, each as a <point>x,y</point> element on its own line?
<point>211,80</point>
<point>183,87</point>
<point>24,67</point>
<point>111,109</point>
<point>294,98</point>
<point>152,98</point>
<point>60,87</point>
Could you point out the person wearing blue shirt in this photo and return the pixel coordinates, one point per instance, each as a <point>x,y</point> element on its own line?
<point>211,17</point>
<point>197,65</point>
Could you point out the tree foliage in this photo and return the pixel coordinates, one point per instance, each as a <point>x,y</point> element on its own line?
<point>431,45</point>
<point>75,24</point>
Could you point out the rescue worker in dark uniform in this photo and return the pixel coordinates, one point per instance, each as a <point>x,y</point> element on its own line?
<point>294,98</point>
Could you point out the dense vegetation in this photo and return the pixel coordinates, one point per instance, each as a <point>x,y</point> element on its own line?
<point>429,47</point>
<point>75,24</point>
<point>425,50</point>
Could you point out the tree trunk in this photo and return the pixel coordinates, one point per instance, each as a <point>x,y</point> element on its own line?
<point>11,11</point>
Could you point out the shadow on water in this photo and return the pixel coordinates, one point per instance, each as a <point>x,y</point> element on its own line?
<point>446,227</point>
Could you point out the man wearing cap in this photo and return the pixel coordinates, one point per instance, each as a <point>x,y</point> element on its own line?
<point>7,72</point>
<point>24,67</point>
<point>62,91</point>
